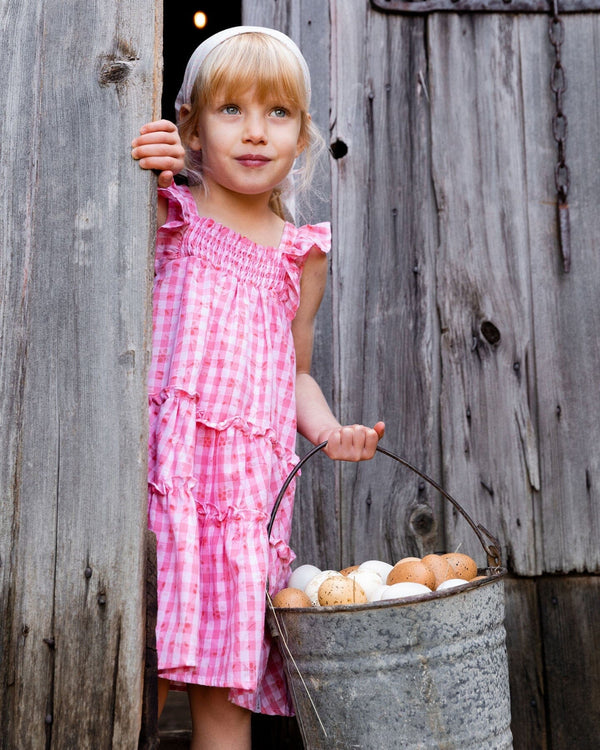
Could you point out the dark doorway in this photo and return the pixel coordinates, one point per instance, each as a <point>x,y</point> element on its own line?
<point>181,36</point>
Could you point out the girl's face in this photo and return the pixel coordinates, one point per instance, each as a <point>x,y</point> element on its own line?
<point>248,144</point>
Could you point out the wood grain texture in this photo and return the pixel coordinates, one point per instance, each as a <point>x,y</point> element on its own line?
<point>565,307</point>
<point>483,286</point>
<point>525,664</point>
<point>569,613</point>
<point>383,278</point>
<point>76,230</point>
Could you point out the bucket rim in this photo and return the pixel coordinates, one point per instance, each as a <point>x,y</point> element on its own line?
<point>496,576</point>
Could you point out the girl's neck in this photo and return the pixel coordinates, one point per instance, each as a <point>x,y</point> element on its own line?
<point>248,215</point>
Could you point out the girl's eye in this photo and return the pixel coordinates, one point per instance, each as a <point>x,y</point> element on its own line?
<point>231,109</point>
<point>279,112</point>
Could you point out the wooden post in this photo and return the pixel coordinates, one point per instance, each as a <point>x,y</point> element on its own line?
<point>76,225</point>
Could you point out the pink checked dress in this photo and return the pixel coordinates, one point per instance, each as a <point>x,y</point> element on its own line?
<point>222,438</point>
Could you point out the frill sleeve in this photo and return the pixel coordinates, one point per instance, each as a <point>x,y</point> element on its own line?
<point>170,234</point>
<point>306,237</point>
<point>309,236</point>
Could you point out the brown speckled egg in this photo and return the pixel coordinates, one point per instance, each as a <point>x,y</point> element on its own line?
<point>413,571</point>
<point>462,565</point>
<point>340,590</point>
<point>441,568</point>
<point>291,598</point>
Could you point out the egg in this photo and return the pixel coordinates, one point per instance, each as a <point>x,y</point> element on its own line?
<point>369,581</point>
<point>302,575</point>
<point>440,567</point>
<point>412,571</point>
<point>409,559</point>
<point>291,597</point>
<point>340,590</point>
<point>402,590</point>
<point>349,569</point>
<point>312,587</point>
<point>380,567</point>
<point>451,583</point>
<point>462,565</point>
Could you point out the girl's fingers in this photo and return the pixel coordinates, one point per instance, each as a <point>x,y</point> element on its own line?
<point>157,137</point>
<point>158,125</point>
<point>160,163</point>
<point>165,178</point>
<point>354,442</point>
<point>157,149</point>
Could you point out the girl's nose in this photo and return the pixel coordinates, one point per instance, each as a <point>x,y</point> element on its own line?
<point>254,128</point>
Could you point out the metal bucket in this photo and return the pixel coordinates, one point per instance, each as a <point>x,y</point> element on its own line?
<point>427,672</point>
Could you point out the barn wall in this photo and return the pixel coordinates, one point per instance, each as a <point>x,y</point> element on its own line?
<point>449,315</point>
<point>76,227</point>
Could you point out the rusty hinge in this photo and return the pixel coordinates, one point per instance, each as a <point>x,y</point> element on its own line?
<point>483,6</point>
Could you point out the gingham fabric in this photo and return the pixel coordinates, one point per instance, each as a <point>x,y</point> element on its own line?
<point>222,437</point>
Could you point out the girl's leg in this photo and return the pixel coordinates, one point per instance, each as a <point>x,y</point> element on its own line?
<point>217,724</point>
<point>163,691</point>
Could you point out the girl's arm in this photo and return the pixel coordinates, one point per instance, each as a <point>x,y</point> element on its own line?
<point>159,147</point>
<point>315,419</point>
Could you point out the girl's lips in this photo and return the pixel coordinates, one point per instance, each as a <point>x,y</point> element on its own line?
<point>253,160</point>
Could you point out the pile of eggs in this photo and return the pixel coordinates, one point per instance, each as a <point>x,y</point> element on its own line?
<point>374,581</point>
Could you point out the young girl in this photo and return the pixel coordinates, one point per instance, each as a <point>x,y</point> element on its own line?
<point>236,292</point>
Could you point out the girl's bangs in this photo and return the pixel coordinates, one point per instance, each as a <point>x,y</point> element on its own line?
<point>254,61</point>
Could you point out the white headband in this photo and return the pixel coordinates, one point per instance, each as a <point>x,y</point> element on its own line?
<point>208,45</point>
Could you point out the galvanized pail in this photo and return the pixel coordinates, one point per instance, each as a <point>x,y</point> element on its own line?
<point>426,672</point>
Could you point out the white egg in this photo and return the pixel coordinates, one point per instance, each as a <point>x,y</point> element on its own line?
<point>302,575</point>
<point>369,581</point>
<point>376,594</point>
<point>380,567</point>
<point>312,587</point>
<point>402,590</point>
<point>451,583</point>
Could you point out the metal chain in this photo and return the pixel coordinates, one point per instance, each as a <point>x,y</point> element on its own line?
<point>558,84</point>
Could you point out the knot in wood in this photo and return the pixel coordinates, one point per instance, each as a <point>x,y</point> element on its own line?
<point>490,332</point>
<point>338,149</point>
<point>422,521</point>
<point>116,67</point>
<point>115,72</point>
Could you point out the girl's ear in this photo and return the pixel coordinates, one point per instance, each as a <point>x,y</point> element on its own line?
<point>193,141</point>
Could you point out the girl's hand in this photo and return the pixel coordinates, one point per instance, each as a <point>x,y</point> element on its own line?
<point>158,147</point>
<point>352,442</point>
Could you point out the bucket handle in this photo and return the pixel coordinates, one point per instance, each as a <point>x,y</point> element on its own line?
<point>490,544</point>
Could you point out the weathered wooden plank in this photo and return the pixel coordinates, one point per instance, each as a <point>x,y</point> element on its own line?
<point>383,275</point>
<point>566,307</point>
<point>17,134</point>
<point>75,236</point>
<point>525,664</point>
<point>569,613</point>
<point>488,370</point>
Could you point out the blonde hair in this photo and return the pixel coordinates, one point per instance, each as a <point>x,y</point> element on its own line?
<point>236,65</point>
